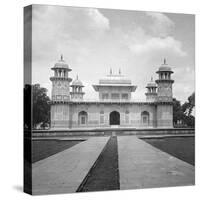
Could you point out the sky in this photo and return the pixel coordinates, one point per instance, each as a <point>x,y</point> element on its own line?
<point>94,40</point>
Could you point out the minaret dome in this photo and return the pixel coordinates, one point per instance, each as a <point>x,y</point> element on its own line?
<point>77,91</point>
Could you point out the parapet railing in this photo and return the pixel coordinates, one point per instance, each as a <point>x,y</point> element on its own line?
<point>109,131</point>
<point>111,100</point>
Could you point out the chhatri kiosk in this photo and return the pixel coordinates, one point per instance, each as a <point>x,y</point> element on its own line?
<point>115,106</point>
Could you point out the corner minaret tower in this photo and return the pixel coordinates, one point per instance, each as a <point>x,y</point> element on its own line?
<point>60,81</point>
<point>151,94</point>
<point>164,83</point>
<point>77,92</point>
<point>164,110</point>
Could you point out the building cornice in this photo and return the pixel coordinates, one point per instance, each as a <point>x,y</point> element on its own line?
<point>71,102</point>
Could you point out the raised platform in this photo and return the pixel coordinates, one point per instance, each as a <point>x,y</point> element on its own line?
<point>110,131</point>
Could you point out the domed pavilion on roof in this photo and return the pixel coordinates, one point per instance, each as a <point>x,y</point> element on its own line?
<point>115,87</point>
<point>115,106</point>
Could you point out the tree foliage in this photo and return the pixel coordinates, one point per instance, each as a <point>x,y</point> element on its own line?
<point>178,113</point>
<point>41,107</point>
<point>183,112</point>
<point>188,106</point>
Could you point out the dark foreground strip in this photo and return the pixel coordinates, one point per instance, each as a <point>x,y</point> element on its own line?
<point>104,175</point>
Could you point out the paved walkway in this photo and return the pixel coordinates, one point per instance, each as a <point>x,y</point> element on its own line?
<point>143,166</point>
<point>64,172</point>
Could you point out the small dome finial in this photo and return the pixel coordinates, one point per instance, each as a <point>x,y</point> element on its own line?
<point>119,71</point>
<point>61,57</point>
<point>164,61</point>
<point>77,77</point>
<point>151,78</point>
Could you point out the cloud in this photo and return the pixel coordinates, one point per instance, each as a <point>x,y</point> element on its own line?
<point>161,24</point>
<point>156,44</point>
<point>93,40</point>
<point>158,41</point>
<point>98,20</point>
<point>76,31</point>
<point>184,85</point>
<point>58,28</point>
<point>71,19</point>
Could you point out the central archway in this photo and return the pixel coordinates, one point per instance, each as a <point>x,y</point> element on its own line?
<point>114,118</point>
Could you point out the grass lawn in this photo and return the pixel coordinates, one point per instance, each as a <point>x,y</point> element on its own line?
<point>180,147</point>
<point>44,148</point>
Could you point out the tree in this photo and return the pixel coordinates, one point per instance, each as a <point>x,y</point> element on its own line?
<point>189,105</point>
<point>41,107</point>
<point>183,112</point>
<point>178,113</point>
<point>187,108</point>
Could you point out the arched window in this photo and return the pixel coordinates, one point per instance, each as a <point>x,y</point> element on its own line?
<point>101,117</point>
<point>82,118</point>
<point>145,118</point>
<point>165,75</point>
<point>127,117</point>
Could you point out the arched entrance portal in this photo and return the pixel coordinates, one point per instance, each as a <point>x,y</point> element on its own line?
<point>114,118</point>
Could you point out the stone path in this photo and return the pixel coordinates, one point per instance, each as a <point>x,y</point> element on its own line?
<point>143,166</point>
<point>64,172</point>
